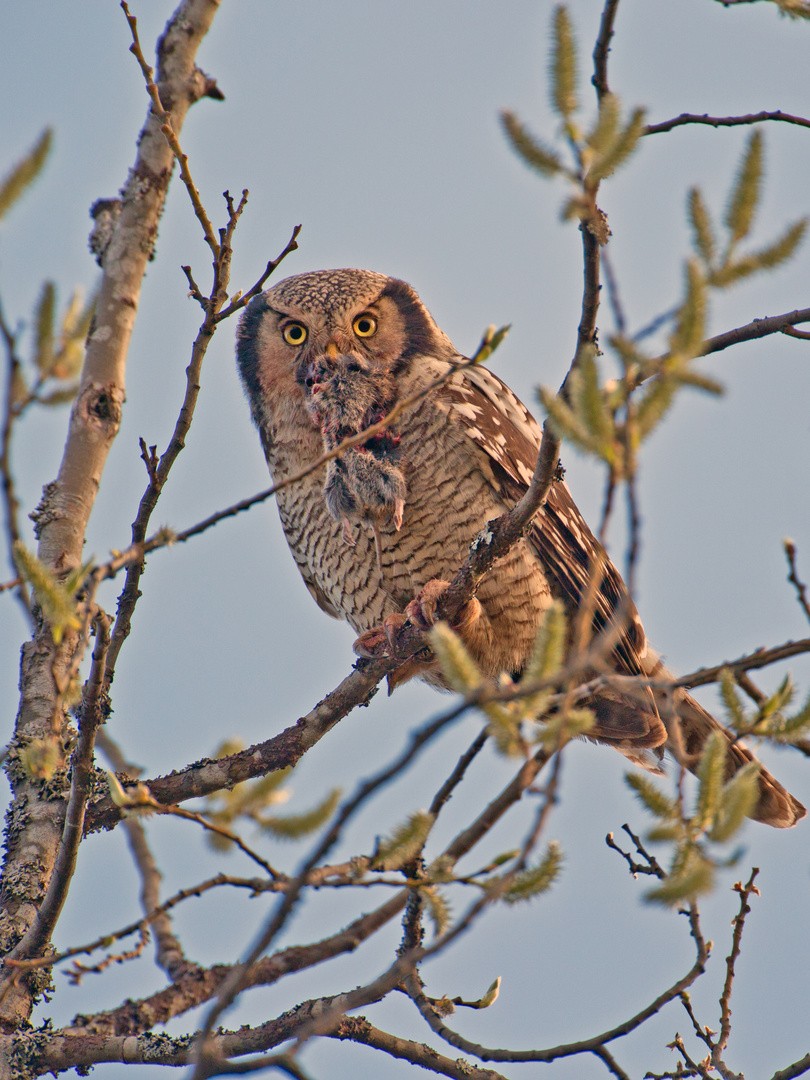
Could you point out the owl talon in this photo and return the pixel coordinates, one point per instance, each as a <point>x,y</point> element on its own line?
<point>382,640</point>
<point>373,645</point>
<point>422,609</point>
<point>399,512</point>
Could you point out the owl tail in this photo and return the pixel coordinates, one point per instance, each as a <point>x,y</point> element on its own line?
<point>687,737</point>
<point>641,729</point>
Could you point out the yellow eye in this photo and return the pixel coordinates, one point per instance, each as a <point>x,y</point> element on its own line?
<point>365,326</point>
<point>294,333</point>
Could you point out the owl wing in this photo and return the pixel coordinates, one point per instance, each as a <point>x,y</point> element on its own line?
<point>498,422</point>
<point>501,425</point>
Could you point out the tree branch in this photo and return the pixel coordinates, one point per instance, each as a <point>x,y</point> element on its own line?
<point>169,952</point>
<point>725,121</point>
<point>358,1029</point>
<point>93,712</point>
<point>602,48</point>
<point>95,418</point>
<point>759,659</point>
<point>759,328</point>
<point>11,503</point>
<point>745,892</point>
<point>199,986</point>
<point>793,576</point>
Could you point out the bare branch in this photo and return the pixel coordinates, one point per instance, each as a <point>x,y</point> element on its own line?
<point>169,952</point>
<point>11,503</point>
<point>159,471</point>
<point>602,48</point>
<point>598,1041</point>
<point>240,975</point>
<point>93,712</point>
<point>240,301</point>
<point>358,1029</point>
<point>611,1063</point>
<point>793,576</point>
<point>798,1068</point>
<point>745,892</point>
<point>650,864</point>
<point>725,121</point>
<point>791,331</point>
<point>170,134</point>
<point>759,659</point>
<point>209,775</point>
<point>197,987</point>
<point>759,328</point>
<point>457,775</point>
<point>95,419</point>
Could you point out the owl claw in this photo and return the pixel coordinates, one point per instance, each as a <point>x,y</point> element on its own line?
<point>382,640</point>
<point>399,511</point>
<point>373,645</point>
<point>422,609</point>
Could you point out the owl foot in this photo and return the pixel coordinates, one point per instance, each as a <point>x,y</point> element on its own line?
<point>383,641</point>
<point>380,642</point>
<point>422,609</point>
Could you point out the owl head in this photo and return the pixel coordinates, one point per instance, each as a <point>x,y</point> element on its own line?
<point>289,334</point>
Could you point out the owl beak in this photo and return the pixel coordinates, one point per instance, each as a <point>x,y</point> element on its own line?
<point>332,351</point>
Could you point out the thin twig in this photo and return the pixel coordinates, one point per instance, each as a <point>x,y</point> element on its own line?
<point>749,662</point>
<point>169,953</point>
<point>634,541</point>
<point>798,1068</point>
<point>749,687</point>
<point>358,1029</point>
<point>759,328</point>
<point>791,331</point>
<point>219,830</point>
<point>457,775</point>
<point>285,1063</point>
<point>702,1033</point>
<point>725,121</point>
<point>149,920</point>
<point>793,576</point>
<point>696,1068</point>
<point>241,300</point>
<point>11,503</point>
<point>170,134</point>
<point>602,48</point>
<point>745,892</point>
<point>584,1045</point>
<point>239,977</point>
<point>649,866</point>
<point>612,1065</point>
<point>612,285</point>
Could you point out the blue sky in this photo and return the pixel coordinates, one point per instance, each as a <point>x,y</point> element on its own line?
<point>375,127</point>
